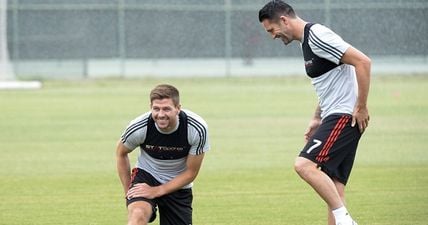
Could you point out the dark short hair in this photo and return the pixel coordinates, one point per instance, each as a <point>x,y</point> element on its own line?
<point>163,91</point>
<point>274,9</point>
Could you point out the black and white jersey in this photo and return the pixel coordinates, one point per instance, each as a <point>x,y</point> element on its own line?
<point>335,83</point>
<point>163,155</point>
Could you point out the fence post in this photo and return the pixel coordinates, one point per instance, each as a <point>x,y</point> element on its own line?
<point>228,35</point>
<point>121,36</point>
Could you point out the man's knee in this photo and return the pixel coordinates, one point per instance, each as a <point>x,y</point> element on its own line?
<point>303,166</point>
<point>139,212</point>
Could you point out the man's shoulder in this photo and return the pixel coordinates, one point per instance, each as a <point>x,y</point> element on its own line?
<point>135,132</point>
<point>319,27</point>
<point>143,118</point>
<point>320,30</point>
<point>195,119</point>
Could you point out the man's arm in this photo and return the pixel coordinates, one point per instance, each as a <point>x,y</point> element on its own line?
<point>193,164</point>
<point>362,65</point>
<point>123,166</point>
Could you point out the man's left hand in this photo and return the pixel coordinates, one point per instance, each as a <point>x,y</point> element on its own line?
<point>144,190</point>
<point>361,117</point>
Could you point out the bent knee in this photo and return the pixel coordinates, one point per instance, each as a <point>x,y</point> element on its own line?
<point>303,165</point>
<point>139,211</point>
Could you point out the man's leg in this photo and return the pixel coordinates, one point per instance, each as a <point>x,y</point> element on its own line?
<point>139,213</point>
<point>176,208</point>
<point>328,155</point>
<point>341,190</point>
<point>140,209</point>
<point>319,181</point>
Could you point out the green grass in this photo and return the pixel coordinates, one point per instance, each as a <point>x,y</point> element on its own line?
<point>57,162</point>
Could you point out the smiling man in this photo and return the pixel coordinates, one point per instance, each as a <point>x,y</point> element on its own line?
<point>172,142</point>
<point>340,75</point>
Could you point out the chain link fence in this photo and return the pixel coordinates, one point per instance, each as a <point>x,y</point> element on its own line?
<point>134,38</point>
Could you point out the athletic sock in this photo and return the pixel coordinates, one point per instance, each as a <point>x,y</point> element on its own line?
<point>341,214</point>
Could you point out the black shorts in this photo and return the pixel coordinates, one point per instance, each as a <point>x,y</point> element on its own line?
<point>174,208</point>
<point>333,146</point>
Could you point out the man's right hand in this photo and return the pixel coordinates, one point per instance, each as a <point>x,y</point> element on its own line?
<point>312,127</point>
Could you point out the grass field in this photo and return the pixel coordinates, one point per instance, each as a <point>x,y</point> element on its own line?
<point>57,152</point>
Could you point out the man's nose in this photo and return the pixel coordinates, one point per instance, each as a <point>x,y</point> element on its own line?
<point>161,113</point>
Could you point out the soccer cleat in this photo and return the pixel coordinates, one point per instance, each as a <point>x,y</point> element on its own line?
<point>345,220</point>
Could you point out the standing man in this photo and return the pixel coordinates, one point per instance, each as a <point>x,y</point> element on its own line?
<point>341,77</point>
<point>172,142</point>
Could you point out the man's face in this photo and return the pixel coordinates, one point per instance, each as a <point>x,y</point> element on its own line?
<point>164,113</point>
<point>278,29</point>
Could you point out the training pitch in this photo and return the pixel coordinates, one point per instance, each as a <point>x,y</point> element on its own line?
<point>57,152</point>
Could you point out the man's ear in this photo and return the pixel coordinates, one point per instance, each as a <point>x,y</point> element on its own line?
<point>284,20</point>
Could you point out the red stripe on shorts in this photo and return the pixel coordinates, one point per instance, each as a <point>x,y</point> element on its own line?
<point>133,174</point>
<point>322,156</point>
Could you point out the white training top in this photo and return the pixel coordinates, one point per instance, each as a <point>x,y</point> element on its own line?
<point>165,170</point>
<point>337,89</point>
